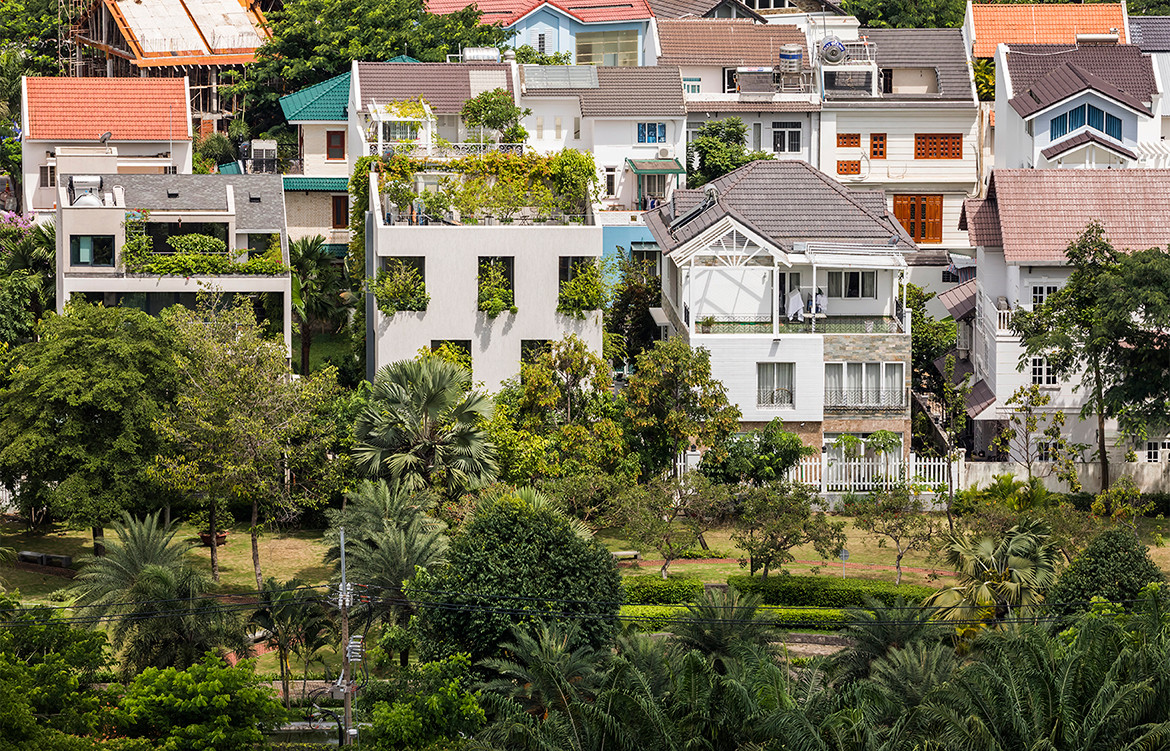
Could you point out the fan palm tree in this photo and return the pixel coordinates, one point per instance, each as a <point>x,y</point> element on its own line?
<point>35,251</point>
<point>876,630</point>
<point>317,287</point>
<point>546,669</point>
<point>424,428</point>
<point>721,624</point>
<point>998,575</point>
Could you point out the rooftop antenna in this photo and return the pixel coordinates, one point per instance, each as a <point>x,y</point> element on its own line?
<point>105,140</point>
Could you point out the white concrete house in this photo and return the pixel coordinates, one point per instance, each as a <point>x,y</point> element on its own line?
<point>246,212</point>
<point>1077,106</point>
<point>144,123</point>
<point>795,284</point>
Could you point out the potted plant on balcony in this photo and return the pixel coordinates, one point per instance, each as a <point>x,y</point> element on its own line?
<point>705,324</point>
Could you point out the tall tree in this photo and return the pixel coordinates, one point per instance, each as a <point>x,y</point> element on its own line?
<point>899,517</point>
<point>317,285</point>
<point>78,413</point>
<point>238,416</point>
<point>672,400</point>
<point>719,147</point>
<point>32,250</point>
<point>775,518</point>
<point>638,289</point>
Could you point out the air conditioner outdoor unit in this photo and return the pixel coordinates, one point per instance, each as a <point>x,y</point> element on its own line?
<point>264,155</point>
<point>664,153</point>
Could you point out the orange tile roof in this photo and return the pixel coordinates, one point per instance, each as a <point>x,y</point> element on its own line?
<point>1048,23</point>
<point>131,109</point>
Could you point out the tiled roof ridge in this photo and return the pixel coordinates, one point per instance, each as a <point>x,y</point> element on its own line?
<point>322,89</point>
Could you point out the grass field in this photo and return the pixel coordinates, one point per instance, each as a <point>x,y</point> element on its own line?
<point>324,346</point>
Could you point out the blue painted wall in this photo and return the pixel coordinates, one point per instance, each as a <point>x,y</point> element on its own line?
<point>561,31</point>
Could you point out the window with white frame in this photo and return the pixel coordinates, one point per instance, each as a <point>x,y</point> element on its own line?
<point>651,132</point>
<point>775,384</point>
<point>1044,451</point>
<point>853,284</point>
<point>691,85</point>
<point>48,176</point>
<point>1158,451</point>
<point>608,48</point>
<point>785,137</point>
<point>865,385</point>
<point>577,128</point>
<point>610,182</point>
<point>399,130</point>
<point>557,127</point>
<point>1042,373</point>
<point>1040,293</point>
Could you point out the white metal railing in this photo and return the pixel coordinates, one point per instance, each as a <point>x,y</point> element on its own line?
<point>446,150</point>
<point>1003,321</point>
<point>833,475</point>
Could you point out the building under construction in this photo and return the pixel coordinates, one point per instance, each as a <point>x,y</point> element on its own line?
<point>200,39</point>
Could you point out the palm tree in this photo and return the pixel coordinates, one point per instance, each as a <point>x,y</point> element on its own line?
<point>317,287</point>
<point>998,575</point>
<point>876,630</point>
<point>908,675</point>
<point>545,671</point>
<point>105,581</point>
<point>424,428</point>
<point>282,610</point>
<point>721,624</point>
<point>35,252</point>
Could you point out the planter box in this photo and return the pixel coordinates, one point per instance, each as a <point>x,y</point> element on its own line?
<point>220,539</point>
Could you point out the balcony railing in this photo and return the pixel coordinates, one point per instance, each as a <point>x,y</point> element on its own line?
<point>780,398</point>
<point>831,325</point>
<point>446,150</point>
<point>845,400</point>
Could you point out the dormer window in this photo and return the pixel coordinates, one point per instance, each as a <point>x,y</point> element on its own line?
<point>1082,115</point>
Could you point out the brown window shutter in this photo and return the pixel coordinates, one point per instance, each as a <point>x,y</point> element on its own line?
<point>932,215</point>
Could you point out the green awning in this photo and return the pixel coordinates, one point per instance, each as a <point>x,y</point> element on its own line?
<point>337,250</point>
<point>231,168</point>
<point>655,167</point>
<point>323,184</point>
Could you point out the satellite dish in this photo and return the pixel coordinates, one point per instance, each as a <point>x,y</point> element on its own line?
<point>106,137</point>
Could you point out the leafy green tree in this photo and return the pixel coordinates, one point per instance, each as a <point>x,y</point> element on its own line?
<point>426,719</point>
<point>519,557</point>
<point>423,428</point>
<point>985,79</point>
<point>900,14</point>
<point>1028,426</point>
<point>207,707</point>
<point>526,54</point>
<point>773,519</point>
<point>1115,566</point>
<point>672,400</point>
<point>628,319</point>
<point>1123,503</point>
<point>899,517</point>
<point>930,338</point>
<point>29,29</point>
<point>317,285</point>
<point>16,320</point>
<point>670,515</point>
<point>496,110</point>
<point>78,414</point>
<point>756,457</point>
<point>719,147</point>
<point>313,40</point>
<point>33,251</point>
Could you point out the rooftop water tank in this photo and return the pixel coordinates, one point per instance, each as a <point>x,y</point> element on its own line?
<point>790,57</point>
<point>832,50</point>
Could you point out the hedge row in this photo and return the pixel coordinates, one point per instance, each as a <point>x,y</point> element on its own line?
<point>659,617</point>
<point>825,591</point>
<point>653,590</point>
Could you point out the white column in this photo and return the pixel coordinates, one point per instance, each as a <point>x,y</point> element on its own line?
<point>777,300</point>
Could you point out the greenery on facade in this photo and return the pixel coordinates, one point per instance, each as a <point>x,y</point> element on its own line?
<point>398,287</point>
<point>719,147</point>
<point>584,292</point>
<point>496,110</point>
<point>193,254</point>
<point>495,289</point>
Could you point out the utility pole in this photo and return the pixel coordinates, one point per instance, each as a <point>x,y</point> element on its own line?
<point>343,601</point>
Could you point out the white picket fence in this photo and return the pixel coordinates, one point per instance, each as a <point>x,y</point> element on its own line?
<point>833,475</point>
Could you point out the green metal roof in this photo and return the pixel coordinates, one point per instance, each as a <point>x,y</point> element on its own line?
<point>231,168</point>
<point>324,184</point>
<point>337,250</point>
<point>402,59</point>
<point>323,101</point>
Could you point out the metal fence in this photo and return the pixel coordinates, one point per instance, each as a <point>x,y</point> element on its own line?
<point>864,398</point>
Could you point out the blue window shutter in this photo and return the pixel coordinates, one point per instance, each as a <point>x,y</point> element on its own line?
<point>661,132</point>
<point>641,132</point>
<point>1096,118</point>
<point>1076,118</point>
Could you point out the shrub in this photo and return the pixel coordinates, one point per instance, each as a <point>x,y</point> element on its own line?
<point>584,292</point>
<point>652,590</point>
<point>495,292</point>
<point>826,592</point>
<point>1115,565</point>
<point>197,244</point>
<point>400,287</point>
<point>659,617</point>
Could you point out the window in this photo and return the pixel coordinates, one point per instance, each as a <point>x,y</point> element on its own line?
<point>568,265</point>
<point>418,263</point>
<point>1044,451</point>
<point>557,128</point>
<point>340,212</point>
<point>540,127</point>
<point>459,347</point>
<point>887,80</point>
<point>509,264</point>
<point>1096,118</point>
<point>651,132</point>
<point>853,284</point>
<point>920,216</point>
<point>530,349</point>
<point>653,186</point>
<point>611,182</point>
<point>540,43</point>
<point>786,137</point>
<point>397,130</point>
<point>1152,454</point>
<point>1080,116</point>
<point>1057,127</point>
<point>335,144</point>
<point>950,276</point>
<point>608,48</point>
<point>877,145</point>
<point>848,166</point>
<point>91,250</point>
<point>648,255</point>
<point>1042,373</point>
<point>938,146</point>
<point>691,85</point>
<point>865,384</point>
<point>774,384</point>
<point>757,136</point>
<point>1112,126</point>
<point>729,84</point>
<point>848,140</point>
<point>577,128</point>
<point>48,176</point>
<point>1040,293</point>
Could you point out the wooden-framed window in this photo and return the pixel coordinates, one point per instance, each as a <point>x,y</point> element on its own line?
<point>938,145</point>
<point>340,212</point>
<point>848,140</point>
<point>921,216</point>
<point>335,144</point>
<point>877,145</point>
<point>848,166</point>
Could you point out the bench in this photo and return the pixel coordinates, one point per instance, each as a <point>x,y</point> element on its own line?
<point>45,559</point>
<point>627,555</point>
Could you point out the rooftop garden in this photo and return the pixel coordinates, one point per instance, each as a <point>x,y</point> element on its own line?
<point>193,254</point>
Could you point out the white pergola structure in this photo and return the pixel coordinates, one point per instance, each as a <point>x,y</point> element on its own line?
<point>413,117</point>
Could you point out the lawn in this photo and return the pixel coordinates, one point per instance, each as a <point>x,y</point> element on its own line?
<point>335,345</point>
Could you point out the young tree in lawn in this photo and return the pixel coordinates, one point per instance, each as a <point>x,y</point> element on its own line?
<point>774,519</point>
<point>78,413</point>
<point>899,517</point>
<point>670,515</point>
<point>672,400</point>
<point>240,415</point>
<point>757,457</point>
<point>628,318</point>
<point>1033,435</point>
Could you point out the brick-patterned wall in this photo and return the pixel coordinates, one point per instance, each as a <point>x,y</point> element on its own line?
<point>810,432</point>
<point>311,213</point>
<point>868,348</point>
<point>853,424</point>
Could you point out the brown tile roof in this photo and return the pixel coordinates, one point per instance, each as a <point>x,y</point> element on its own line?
<point>1064,82</point>
<point>785,201</point>
<point>979,398</point>
<point>941,49</point>
<point>688,8</point>
<point>1121,65</point>
<point>649,91</point>
<point>130,109</point>
<point>1040,211</point>
<point>1086,137</point>
<point>960,300</point>
<point>752,105</point>
<point>981,221</point>
<point>725,41</point>
<point>508,12</point>
<point>1044,23</point>
<point>1151,33</point>
<point>444,86</point>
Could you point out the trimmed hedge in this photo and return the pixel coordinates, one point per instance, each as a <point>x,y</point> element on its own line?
<point>652,590</point>
<point>659,617</point>
<point>825,591</point>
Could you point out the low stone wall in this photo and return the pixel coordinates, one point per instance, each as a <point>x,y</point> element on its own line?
<point>1148,476</point>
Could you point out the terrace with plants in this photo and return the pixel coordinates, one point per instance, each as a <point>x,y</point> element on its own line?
<point>151,250</point>
<point>490,124</point>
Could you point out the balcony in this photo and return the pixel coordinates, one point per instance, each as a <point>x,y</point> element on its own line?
<point>779,398</point>
<point>762,325</point>
<point>419,150</point>
<point>861,399</point>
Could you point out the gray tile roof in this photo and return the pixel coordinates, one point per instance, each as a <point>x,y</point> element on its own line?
<point>1150,33</point>
<point>444,86</point>
<point>697,8</point>
<point>785,201</point>
<point>1063,82</point>
<point>941,49</point>
<point>725,41</point>
<point>1084,137</point>
<point>1122,65</point>
<point>208,192</point>
<point>960,300</point>
<point>648,91</point>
